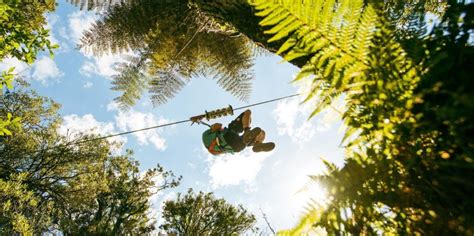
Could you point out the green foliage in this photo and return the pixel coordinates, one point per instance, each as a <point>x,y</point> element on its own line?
<point>9,122</point>
<point>16,198</point>
<point>22,29</point>
<point>172,42</point>
<point>121,208</point>
<point>22,36</point>
<point>335,35</point>
<point>409,112</point>
<point>76,188</point>
<point>7,79</point>
<point>203,214</point>
<point>403,13</point>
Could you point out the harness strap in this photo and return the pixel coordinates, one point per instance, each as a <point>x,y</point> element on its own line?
<point>211,147</point>
<point>218,143</point>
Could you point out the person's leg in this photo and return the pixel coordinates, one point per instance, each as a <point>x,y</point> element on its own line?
<point>260,146</point>
<point>235,141</point>
<point>241,123</point>
<point>260,137</point>
<point>250,136</point>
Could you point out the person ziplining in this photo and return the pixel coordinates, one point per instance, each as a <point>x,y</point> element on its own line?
<point>235,137</point>
<point>216,139</point>
<point>238,135</point>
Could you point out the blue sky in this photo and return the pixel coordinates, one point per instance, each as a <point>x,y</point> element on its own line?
<point>277,182</point>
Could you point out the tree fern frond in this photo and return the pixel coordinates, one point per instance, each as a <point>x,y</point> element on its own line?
<point>130,81</point>
<point>230,65</point>
<point>97,4</point>
<point>165,85</point>
<point>333,32</point>
<point>177,41</point>
<point>329,166</point>
<point>257,50</point>
<point>130,26</point>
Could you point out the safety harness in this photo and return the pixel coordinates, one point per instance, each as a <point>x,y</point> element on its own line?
<point>215,142</point>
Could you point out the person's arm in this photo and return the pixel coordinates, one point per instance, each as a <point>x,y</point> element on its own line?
<point>216,127</point>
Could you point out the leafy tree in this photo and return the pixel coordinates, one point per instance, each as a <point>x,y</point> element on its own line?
<point>408,114</point>
<point>22,29</point>
<point>50,182</point>
<point>203,214</point>
<point>123,206</point>
<point>173,41</point>
<point>402,14</point>
<point>22,36</point>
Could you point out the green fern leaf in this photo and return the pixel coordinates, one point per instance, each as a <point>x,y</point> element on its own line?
<point>293,55</point>
<point>305,71</point>
<point>281,26</point>
<point>286,45</point>
<point>287,30</point>
<point>335,33</point>
<point>274,17</point>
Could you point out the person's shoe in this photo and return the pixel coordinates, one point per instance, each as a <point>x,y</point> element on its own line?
<point>263,147</point>
<point>250,135</point>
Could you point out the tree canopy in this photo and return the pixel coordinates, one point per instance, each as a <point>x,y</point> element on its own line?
<point>22,36</point>
<point>51,182</point>
<point>408,113</point>
<point>171,42</point>
<point>203,214</point>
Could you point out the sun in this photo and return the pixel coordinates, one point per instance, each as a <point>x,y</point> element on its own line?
<point>312,192</point>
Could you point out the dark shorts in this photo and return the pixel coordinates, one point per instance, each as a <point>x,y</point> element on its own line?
<point>232,135</point>
<point>235,141</point>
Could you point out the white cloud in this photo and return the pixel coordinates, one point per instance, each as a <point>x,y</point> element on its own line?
<point>88,84</point>
<point>64,33</point>
<point>157,201</point>
<point>138,120</point>
<point>73,125</point>
<point>292,118</point>
<point>155,212</point>
<point>55,25</point>
<point>44,69</point>
<point>20,67</point>
<point>88,68</point>
<point>79,22</point>
<point>51,20</point>
<point>113,106</point>
<point>236,169</point>
<point>133,120</point>
<point>102,66</point>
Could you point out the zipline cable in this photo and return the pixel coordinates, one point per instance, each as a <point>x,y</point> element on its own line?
<point>131,131</point>
<point>268,101</point>
<point>174,123</point>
